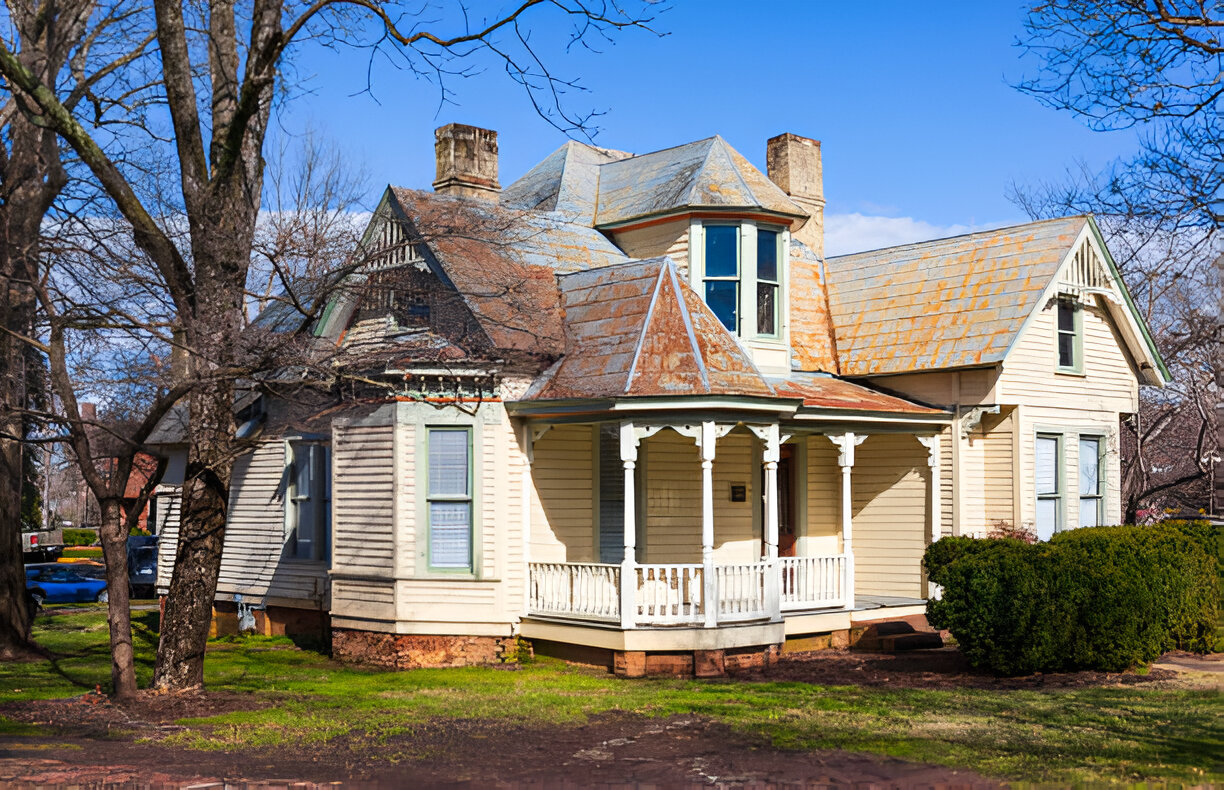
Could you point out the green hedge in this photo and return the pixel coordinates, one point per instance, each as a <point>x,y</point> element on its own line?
<point>80,537</point>
<point>1106,598</point>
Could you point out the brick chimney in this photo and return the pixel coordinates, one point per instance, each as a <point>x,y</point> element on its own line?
<point>794,165</point>
<point>467,162</point>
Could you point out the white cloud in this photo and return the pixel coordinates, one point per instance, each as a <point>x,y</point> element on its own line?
<point>847,233</point>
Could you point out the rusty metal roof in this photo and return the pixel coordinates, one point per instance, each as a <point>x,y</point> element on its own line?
<point>813,341</point>
<point>827,392</point>
<point>566,182</point>
<point>503,263</point>
<point>637,330</point>
<point>706,174</point>
<point>947,303</point>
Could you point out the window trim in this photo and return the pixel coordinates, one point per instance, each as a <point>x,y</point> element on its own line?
<point>470,498</point>
<point>746,279</point>
<point>1099,497</point>
<point>321,551</point>
<point>1077,331</point>
<point>776,283</point>
<point>1060,468</point>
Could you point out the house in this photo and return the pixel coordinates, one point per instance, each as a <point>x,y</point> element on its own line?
<point>626,409</point>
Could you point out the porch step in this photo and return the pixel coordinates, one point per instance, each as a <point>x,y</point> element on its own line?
<point>892,636</point>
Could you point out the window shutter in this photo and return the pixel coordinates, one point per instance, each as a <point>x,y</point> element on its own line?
<point>611,497</point>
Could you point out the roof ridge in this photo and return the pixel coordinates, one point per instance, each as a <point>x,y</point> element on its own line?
<point>726,149</point>
<point>641,341</point>
<point>695,179</point>
<point>688,324</point>
<point>982,232</point>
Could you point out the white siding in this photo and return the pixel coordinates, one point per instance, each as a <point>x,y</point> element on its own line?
<point>823,530</point>
<point>891,501</point>
<point>562,525</point>
<point>363,518</point>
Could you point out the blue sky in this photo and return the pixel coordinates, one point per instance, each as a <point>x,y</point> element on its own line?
<point>922,131</point>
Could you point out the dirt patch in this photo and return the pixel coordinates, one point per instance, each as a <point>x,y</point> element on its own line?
<point>95,714</point>
<point>615,750</point>
<point>936,669</point>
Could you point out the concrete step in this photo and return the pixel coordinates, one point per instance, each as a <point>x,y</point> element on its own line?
<point>891,636</point>
<point>921,640</point>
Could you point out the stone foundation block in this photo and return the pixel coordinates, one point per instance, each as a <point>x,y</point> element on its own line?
<point>418,651</point>
<point>709,663</point>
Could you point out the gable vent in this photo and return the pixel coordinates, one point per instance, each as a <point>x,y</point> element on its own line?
<point>390,248</point>
<point>1086,272</point>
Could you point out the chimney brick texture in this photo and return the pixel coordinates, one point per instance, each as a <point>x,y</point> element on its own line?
<point>793,163</point>
<point>467,162</point>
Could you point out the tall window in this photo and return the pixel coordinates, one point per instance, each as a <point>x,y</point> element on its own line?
<point>611,496</point>
<point>1091,503</point>
<point>768,242</point>
<point>1049,485</point>
<point>1070,343</point>
<point>309,500</point>
<point>450,498</point>
<point>722,273</point>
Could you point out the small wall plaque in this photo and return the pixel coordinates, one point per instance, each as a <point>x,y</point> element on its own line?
<point>739,493</point>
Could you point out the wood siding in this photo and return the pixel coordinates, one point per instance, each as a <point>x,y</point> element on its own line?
<point>672,532</point>
<point>823,528</point>
<point>666,238</point>
<point>363,518</point>
<point>891,500</point>
<point>562,521</point>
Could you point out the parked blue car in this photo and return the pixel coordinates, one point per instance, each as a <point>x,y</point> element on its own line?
<point>61,583</point>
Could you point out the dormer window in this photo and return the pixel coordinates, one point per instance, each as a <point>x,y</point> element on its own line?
<point>741,275</point>
<point>1070,336</point>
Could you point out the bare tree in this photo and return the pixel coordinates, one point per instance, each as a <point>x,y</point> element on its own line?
<point>219,86</point>
<point>1153,65</point>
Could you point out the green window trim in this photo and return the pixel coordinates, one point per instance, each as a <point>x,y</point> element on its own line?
<point>432,498</point>
<point>1069,340</point>
<point>743,296</point>
<point>1097,498</point>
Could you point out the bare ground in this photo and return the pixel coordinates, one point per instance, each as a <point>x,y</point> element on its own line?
<point>96,742</point>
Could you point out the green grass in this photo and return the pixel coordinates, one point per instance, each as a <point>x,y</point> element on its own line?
<point>1090,735</point>
<point>83,552</point>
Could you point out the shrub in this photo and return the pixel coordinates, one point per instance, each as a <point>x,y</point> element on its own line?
<point>1104,598</point>
<point>79,537</point>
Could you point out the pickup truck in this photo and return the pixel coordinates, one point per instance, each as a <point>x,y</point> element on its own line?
<point>44,545</point>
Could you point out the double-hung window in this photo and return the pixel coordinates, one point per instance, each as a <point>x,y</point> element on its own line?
<point>722,273</point>
<point>309,510</point>
<point>1070,336</point>
<point>1049,485</point>
<point>768,245</point>
<point>449,498</point>
<point>1091,503</point>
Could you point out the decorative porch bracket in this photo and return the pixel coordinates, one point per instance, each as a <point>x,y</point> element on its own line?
<point>845,443</point>
<point>971,419</point>
<point>931,443</point>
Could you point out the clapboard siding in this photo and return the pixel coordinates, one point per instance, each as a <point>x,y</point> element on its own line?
<point>737,537</point>
<point>944,388</point>
<point>1108,383</point>
<point>374,600</point>
<point>998,470</point>
<point>823,533</point>
<point>363,496</point>
<point>562,525</point>
<point>666,238</point>
<point>169,503</point>
<point>672,531</point>
<point>891,501</point>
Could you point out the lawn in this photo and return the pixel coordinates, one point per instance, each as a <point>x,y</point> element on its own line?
<point>1110,734</point>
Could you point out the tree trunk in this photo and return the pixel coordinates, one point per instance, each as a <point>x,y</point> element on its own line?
<point>113,532</point>
<point>15,613</point>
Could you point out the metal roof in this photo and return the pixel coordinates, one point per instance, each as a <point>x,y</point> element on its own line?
<point>637,330</point>
<point>947,303</point>
<point>704,174</point>
<point>566,182</point>
<point>826,392</point>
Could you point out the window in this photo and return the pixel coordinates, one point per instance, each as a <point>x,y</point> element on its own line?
<point>741,274</point>
<point>1070,336</point>
<point>1091,501</point>
<point>309,511</point>
<point>611,496</point>
<point>722,274</point>
<point>1049,485</point>
<point>768,242</point>
<point>449,498</point>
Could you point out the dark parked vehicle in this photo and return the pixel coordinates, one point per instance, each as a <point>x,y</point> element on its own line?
<point>62,583</point>
<point>142,570</point>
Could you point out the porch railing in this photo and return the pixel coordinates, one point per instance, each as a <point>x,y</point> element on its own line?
<point>742,591</point>
<point>812,582</point>
<point>671,594</point>
<point>589,591</point>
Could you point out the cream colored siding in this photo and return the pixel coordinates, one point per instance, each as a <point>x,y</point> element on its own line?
<point>890,495</point>
<point>363,496</point>
<point>944,389</point>
<point>1108,383</point>
<point>997,468</point>
<point>666,238</point>
<point>673,499</point>
<point>169,501</point>
<point>736,537</point>
<point>823,529</point>
<point>562,526</point>
<point>253,563</point>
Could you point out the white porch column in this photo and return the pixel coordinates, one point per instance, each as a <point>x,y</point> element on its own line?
<point>628,591</point>
<point>525,504</point>
<point>710,591</point>
<point>846,442</point>
<point>771,456</point>
<point>931,443</point>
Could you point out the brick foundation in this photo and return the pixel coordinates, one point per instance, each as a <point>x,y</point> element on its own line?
<point>694,663</point>
<point>416,651</point>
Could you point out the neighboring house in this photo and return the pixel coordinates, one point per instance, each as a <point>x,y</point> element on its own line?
<point>625,409</point>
